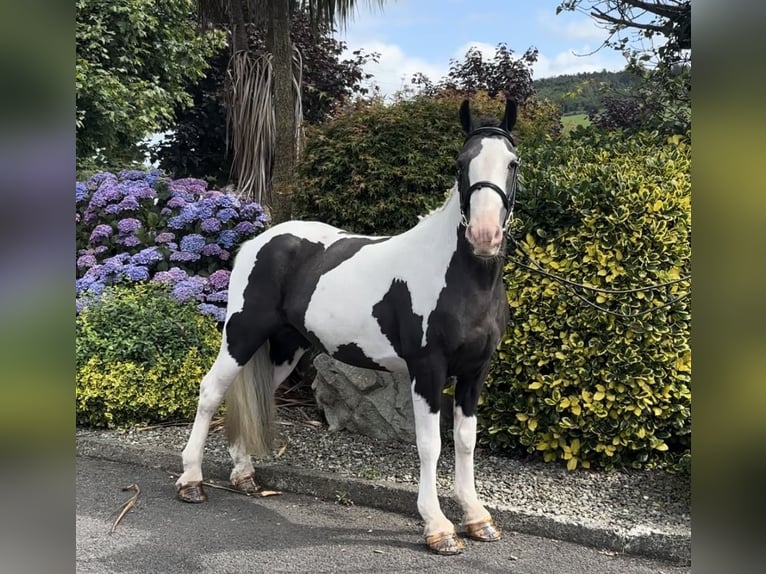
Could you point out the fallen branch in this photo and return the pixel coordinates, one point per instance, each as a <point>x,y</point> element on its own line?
<point>260,493</point>
<point>127,505</point>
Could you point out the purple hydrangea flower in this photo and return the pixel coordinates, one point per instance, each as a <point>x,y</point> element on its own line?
<point>164,237</point>
<point>176,201</point>
<point>246,228</point>
<point>251,210</point>
<point>192,243</point>
<point>128,225</point>
<point>130,241</point>
<point>100,232</point>
<point>228,238</point>
<point>211,250</point>
<point>100,249</point>
<point>85,261</point>
<point>219,279</point>
<point>129,203</point>
<point>172,275</point>
<point>210,225</point>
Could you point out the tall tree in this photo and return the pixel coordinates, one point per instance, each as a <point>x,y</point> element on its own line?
<point>134,59</point>
<point>264,112</point>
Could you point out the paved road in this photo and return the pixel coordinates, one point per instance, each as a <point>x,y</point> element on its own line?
<point>232,533</point>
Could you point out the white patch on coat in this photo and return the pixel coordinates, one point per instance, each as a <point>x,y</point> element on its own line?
<point>340,310</point>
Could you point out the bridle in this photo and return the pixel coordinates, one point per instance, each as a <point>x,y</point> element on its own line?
<point>508,199</point>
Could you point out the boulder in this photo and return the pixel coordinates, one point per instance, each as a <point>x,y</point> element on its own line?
<point>372,403</point>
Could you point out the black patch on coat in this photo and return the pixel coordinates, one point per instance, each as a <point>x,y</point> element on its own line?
<point>398,322</point>
<point>464,329</point>
<point>285,343</point>
<point>279,288</point>
<point>352,354</point>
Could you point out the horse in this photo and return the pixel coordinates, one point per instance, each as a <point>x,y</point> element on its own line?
<point>429,302</point>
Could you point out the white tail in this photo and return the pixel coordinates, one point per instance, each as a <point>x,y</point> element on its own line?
<point>250,405</point>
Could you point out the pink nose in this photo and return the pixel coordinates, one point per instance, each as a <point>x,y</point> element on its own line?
<point>484,238</point>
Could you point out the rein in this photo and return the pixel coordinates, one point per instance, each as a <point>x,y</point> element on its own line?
<point>508,199</point>
<point>573,286</point>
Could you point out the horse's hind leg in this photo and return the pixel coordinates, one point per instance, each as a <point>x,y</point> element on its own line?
<point>286,347</point>
<point>214,385</point>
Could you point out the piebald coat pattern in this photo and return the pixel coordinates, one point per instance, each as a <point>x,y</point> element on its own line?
<point>429,302</point>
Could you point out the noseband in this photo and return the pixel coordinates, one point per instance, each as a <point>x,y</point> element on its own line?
<point>507,199</point>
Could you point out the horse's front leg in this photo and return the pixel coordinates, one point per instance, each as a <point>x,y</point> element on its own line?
<point>427,384</point>
<point>477,522</point>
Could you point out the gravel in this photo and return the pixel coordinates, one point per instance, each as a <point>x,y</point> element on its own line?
<point>653,500</point>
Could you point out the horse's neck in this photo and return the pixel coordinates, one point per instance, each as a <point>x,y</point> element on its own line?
<point>441,222</point>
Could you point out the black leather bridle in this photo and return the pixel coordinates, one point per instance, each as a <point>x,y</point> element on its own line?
<point>509,198</point>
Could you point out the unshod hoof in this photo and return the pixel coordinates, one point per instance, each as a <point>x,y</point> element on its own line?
<point>483,530</point>
<point>191,492</point>
<point>445,543</point>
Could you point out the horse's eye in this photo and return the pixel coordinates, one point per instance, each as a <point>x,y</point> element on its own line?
<point>514,164</point>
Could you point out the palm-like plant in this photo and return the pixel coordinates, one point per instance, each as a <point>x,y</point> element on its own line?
<point>263,91</point>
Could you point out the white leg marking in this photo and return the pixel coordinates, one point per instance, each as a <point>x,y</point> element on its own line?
<point>213,387</point>
<point>429,447</point>
<point>243,463</point>
<point>465,488</point>
<point>281,372</point>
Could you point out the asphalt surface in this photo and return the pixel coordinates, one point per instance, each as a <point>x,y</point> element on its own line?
<point>289,533</point>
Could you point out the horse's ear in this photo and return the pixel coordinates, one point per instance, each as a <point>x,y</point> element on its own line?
<point>465,117</point>
<point>509,119</point>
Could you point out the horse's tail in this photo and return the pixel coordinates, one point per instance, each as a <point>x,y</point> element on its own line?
<point>250,404</point>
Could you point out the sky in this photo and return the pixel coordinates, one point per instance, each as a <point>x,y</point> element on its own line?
<point>423,35</point>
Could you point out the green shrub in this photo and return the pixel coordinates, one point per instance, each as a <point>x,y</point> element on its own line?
<point>140,357</point>
<point>573,382</point>
<point>377,167</point>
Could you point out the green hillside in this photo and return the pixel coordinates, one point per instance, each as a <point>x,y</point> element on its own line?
<point>582,93</point>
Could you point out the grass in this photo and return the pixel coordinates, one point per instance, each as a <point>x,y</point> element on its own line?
<point>572,121</point>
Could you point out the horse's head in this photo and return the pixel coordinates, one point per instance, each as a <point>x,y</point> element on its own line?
<point>487,170</point>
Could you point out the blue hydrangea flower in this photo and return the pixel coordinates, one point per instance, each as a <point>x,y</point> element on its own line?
<point>214,311</point>
<point>218,296</point>
<point>131,174</point>
<point>228,238</point>
<point>192,243</point>
<point>147,256</point>
<point>135,272</point>
<point>190,288</point>
<point>226,214</point>
<point>80,192</point>
<point>176,222</point>
<point>176,202</point>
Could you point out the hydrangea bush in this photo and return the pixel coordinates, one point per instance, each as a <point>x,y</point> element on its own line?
<point>137,226</point>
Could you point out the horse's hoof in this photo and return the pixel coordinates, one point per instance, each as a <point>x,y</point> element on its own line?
<point>445,543</point>
<point>246,484</point>
<point>483,530</point>
<point>191,492</point>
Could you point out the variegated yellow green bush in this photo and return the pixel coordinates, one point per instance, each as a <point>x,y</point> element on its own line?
<point>140,357</point>
<point>572,382</point>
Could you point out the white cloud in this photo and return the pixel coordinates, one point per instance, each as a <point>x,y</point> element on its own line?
<point>394,68</point>
<point>580,29</point>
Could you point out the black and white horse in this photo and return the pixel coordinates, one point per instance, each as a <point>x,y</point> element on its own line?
<point>429,302</point>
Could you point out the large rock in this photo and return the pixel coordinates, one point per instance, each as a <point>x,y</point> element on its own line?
<point>371,403</point>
